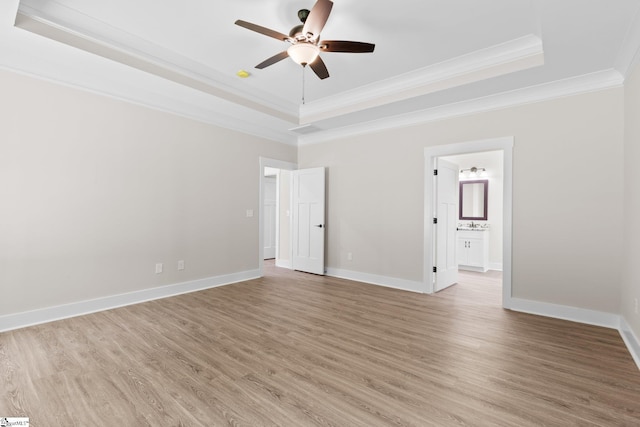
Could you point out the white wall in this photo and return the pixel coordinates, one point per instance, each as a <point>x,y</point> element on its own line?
<point>95,191</point>
<point>567,236</point>
<point>631,276</point>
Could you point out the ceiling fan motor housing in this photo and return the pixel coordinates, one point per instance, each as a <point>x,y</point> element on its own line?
<point>302,15</point>
<point>295,31</point>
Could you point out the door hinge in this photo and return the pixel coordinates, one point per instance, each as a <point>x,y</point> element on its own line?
<point>435,220</point>
<point>435,172</point>
<point>435,269</point>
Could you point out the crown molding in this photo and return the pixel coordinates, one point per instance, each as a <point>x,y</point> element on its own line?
<point>515,55</point>
<point>173,106</point>
<point>101,39</point>
<point>601,80</point>
<point>629,54</point>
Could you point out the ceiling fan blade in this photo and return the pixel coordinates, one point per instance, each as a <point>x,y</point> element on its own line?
<point>319,68</point>
<point>346,46</point>
<point>275,58</point>
<point>317,18</point>
<point>262,30</point>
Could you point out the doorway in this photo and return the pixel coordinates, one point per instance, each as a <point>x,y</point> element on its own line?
<point>270,215</point>
<point>279,209</point>
<point>299,211</point>
<point>478,218</point>
<point>475,150</point>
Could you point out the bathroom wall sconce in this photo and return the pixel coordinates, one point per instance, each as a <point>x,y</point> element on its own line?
<point>473,172</point>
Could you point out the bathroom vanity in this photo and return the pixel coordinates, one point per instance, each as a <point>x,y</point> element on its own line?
<point>473,248</point>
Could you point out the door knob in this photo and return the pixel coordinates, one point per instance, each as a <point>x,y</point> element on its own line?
<point>319,226</point>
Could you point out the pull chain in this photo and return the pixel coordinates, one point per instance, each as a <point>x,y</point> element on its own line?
<point>303,67</point>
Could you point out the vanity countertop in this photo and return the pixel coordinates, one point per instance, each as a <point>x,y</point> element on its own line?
<point>473,229</point>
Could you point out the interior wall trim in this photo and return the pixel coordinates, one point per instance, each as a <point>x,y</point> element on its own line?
<point>375,279</point>
<point>582,315</point>
<point>265,162</point>
<point>504,58</point>
<point>565,312</point>
<point>497,266</point>
<point>629,54</point>
<point>556,311</point>
<point>504,144</point>
<point>283,263</point>
<point>630,339</point>
<point>163,102</point>
<point>109,42</point>
<point>592,82</point>
<point>51,314</point>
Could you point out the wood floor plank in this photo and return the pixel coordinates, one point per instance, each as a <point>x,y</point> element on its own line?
<point>293,349</point>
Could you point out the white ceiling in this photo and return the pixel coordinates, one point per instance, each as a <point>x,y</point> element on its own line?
<point>432,59</point>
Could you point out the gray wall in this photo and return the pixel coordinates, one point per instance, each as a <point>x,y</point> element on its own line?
<point>95,191</point>
<point>567,236</point>
<point>631,277</point>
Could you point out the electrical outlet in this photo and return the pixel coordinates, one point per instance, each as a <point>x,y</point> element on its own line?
<point>159,268</point>
<point>249,213</point>
<point>349,256</point>
<point>181,264</point>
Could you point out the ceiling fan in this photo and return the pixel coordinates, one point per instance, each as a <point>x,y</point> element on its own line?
<point>305,40</point>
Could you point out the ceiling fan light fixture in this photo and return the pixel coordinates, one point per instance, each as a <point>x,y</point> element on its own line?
<point>303,53</point>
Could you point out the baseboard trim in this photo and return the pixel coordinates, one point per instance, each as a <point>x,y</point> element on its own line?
<point>50,314</point>
<point>497,266</point>
<point>582,315</point>
<point>283,263</point>
<point>565,312</point>
<point>374,279</point>
<point>631,340</point>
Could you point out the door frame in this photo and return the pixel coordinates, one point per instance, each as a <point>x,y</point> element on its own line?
<point>276,215</point>
<point>272,163</point>
<point>504,144</point>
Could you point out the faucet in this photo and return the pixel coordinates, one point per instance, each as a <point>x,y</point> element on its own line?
<point>472,225</point>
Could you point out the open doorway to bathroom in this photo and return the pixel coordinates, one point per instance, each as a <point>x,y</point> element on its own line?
<point>498,267</point>
<point>479,228</point>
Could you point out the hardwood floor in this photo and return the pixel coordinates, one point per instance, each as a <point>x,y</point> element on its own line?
<point>292,349</point>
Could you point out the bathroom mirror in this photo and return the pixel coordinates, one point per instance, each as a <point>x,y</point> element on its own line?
<point>473,199</point>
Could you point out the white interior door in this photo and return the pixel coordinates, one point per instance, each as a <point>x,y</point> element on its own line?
<point>308,220</point>
<point>446,261</point>
<point>269,217</point>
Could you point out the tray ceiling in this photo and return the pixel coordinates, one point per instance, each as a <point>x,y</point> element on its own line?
<point>432,58</point>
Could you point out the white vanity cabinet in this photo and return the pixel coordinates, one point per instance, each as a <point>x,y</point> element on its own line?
<point>473,249</point>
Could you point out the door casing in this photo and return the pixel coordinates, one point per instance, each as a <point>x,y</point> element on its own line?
<point>504,144</point>
<point>272,163</point>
